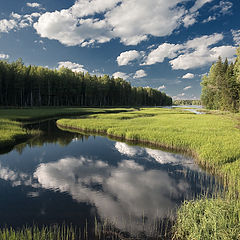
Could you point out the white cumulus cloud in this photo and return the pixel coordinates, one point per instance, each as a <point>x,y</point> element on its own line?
<point>120,75</point>
<point>67,29</point>
<point>140,74</point>
<point>194,53</point>
<point>199,52</point>
<point>165,50</point>
<point>130,21</point>
<point>7,25</point>
<point>126,57</point>
<point>75,67</point>
<point>188,76</point>
<point>190,19</point>
<point>34,5</point>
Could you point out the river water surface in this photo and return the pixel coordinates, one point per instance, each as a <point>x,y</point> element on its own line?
<point>62,177</point>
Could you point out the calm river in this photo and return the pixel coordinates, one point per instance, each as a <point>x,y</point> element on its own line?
<point>62,177</point>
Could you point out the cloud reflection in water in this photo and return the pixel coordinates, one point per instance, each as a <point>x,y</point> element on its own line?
<point>126,189</point>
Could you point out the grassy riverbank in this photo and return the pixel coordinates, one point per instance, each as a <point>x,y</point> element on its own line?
<point>12,131</point>
<point>213,139</point>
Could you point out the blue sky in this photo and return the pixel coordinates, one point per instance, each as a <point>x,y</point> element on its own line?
<point>164,44</point>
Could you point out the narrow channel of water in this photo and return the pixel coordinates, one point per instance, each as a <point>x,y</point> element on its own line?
<point>62,177</point>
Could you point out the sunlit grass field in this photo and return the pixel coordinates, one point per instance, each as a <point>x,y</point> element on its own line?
<point>214,141</point>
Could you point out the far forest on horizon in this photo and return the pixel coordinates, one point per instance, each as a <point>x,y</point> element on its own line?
<point>30,86</point>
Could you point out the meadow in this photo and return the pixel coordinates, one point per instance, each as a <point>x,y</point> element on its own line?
<point>213,140</point>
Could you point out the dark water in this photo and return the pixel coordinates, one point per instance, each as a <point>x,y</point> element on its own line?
<point>67,177</point>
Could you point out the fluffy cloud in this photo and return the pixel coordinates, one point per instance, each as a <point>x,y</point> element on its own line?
<point>187,88</point>
<point>120,75</point>
<point>188,76</point>
<point>17,21</point>
<point>7,25</point>
<point>198,52</point>
<point>194,53</point>
<point>67,29</point>
<point>189,19</point>
<point>4,56</point>
<point>75,67</point>
<point>236,36</point>
<point>165,50</point>
<point>133,20</point>
<point>34,5</point>
<point>130,21</point>
<point>83,8</point>
<point>140,74</point>
<point>126,57</point>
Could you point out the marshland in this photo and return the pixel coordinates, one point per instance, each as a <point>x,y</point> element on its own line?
<point>92,156</point>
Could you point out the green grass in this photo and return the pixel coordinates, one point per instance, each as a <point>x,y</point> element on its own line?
<point>12,131</point>
<point>214,141</point>
<point>35,233</point>
<point>214,218</point>
<point>30,114</point>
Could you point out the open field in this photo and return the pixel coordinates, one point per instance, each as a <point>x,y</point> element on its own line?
<point>213,139</point>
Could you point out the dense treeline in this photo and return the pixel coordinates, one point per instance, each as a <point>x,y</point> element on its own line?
<point>221,87</point>
<point>187,102</point>
<point>24,86</point>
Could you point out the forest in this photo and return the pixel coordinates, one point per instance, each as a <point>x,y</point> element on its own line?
<point>221,86</point>
<point>29,86</point>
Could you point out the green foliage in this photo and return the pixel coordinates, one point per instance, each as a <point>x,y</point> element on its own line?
<point>24,86</point>
<point>187,102</point>
<point>11,132</point>
<point>35,233</point>
<point>221,87</point>
<point>214,218</point>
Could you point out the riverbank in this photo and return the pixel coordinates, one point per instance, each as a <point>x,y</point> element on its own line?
<point>11,121</point>
<point>213,139</point>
